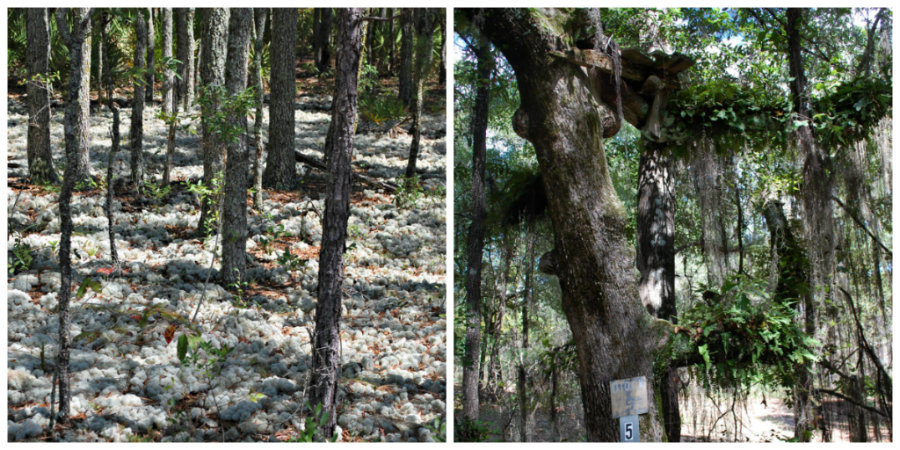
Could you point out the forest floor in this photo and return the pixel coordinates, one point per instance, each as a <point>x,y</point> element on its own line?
<point>250,382</point>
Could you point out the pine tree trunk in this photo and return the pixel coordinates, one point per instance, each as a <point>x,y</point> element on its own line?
<point>425,31</point>
<point>74,121</point>
<point>390,42</point>
<point>280,172</point>
<point>98,30</point>
<point>656,261</point>
<point>259,28</point>
<point>405,86</point>
<point>475,240</point>
<point>113,254</point>
<point>234,209</point>
<point>136,133</point>
<point>151,55</point>
<point>326,353</point>
<point>614,336</point>
<point>184,25</point>
<point>169,106</point>
<point>212,73</point>
<point>40,157</point>
<point>322,40</point>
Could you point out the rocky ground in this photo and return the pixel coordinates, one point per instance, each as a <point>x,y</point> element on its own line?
<point>248,381</point>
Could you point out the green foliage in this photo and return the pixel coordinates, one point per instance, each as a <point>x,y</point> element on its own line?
<point>156,191</point>
<point>381,108</point>
<point>19,257</point>
<point>211,194</point>
<point>741,337</point>
<point>87,283</point>
<point>408,193</point>
<point>852,110</point>
<point>218,106</point>
<point>438,429</point>
<point>195,351</point>
<point>467,430</point>
<point>313,421</point>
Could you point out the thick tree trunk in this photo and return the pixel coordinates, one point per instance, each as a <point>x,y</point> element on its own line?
<point>322,40</point>
<point>169,106</point>
<point>818,218</point>
<point>259,28</point>
<point>184,26</point>
<point>151,55</point>
<point>614,335</point>
<point>74,135</point>
<point>326,350</point>
<point>705,170</point>
<point>281,169</point>
<point>405,87</point>
<point>656,261</point>
<point>136,132</point>
<point>212,73</point>
<point>425,32</point>
<point>234,208</point>
<point>40,157</point>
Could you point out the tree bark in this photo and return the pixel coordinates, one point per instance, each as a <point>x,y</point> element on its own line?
<point>136,132</point>
<point>82,101</point>
<point>322,40</point>
<point>74,123</point>
<point>326,354</point>
<point>405,87</point>
<point>522,388</point>
<point>656,261</point>
<point>184,25</point>
<point>475,241</point>
<point>259,31</point>
<point>113,254</point>
<point>425,32</point>
<point>40,156</point>
<point>151,55</point>
<point>212,73</point>
<point>169,106</point>
<point>234,208</point>
<point>281,170</point>
<point>614,335</point>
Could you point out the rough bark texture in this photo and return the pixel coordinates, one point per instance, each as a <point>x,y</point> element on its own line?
<point>281,169</point>
<point>184,26</point>
<point>169,105</point>
<point>522,387</point>
<point>405,87</point>
<point>259,28</point>
<point>425,19</point>
<point>705,171</point>
<point>475,241</point>
<point>614,336</point>
<point>74,131</point>
<point>656,261</point>
<point>83,100</point>
<point>151,54</point>
<point>40,157</point>
<point>322,39</point>
<point>326,349</point>
<point>212,74</point>
<point>136,132</point>
<point>113,254</point>
<point>234,208</point>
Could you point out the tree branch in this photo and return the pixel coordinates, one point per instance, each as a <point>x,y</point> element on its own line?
<point>861,225</point>
<point>850,400</point>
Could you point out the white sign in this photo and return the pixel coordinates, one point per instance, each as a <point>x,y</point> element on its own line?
<point>629,397</point>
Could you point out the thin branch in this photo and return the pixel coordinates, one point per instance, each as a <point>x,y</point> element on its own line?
<point>861,225</point>
<point>864,343</point>
<point>850,400</point>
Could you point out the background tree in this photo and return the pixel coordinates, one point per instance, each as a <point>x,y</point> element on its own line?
<point>326,348</point>
<point>407,42</point>
<point>184,26</point>
<point>82,116</point>
<point>234,208</point>
<point>256,76</point>
<point>151,54</point>
<point>280,172</point>
<point>40,158</point>
<point>322,38</point>
<point>136,133</point>
<point>170,104</point>
<point>212,74</point>
<point>425,20</point>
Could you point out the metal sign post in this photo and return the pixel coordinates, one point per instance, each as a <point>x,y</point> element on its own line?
<point>629,399</point>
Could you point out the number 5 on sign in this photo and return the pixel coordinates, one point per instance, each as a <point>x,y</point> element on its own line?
<point>628,429</point>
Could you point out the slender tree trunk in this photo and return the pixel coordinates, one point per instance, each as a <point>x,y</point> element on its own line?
<point>151,55</point>
<point>656,261</point>
<point>614,335</point>
<point>184,25</point>
<point>76,39</point>
<point>326,349</point>
<point>281,167</point>
<point>390,41</point>
<point>425,31</point>
<point>98,30</point>
<point>259,28</point>
<point>40,157</point>
<point>442,65</point>
<point>113,254</point>
<point>322,40</point>
<point>522,388</point>
<point>136,133</point>
<point>405,87</point>
<point>170,105</point>
<point>212,73</point>
<point>234,209</point>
